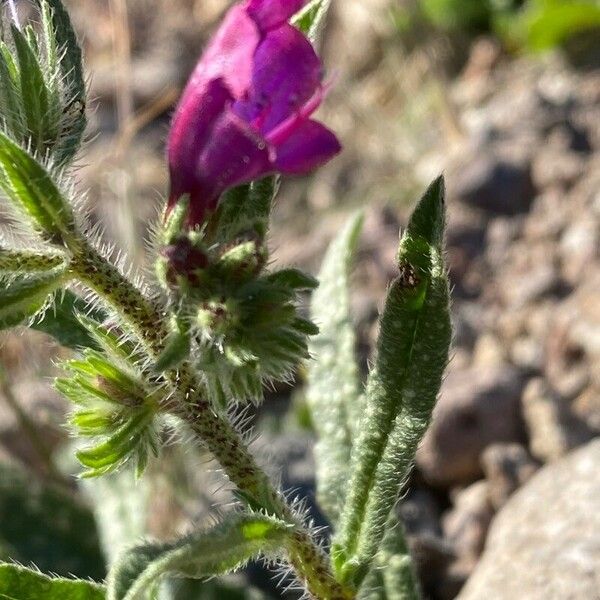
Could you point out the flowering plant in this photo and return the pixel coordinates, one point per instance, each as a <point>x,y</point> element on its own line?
<point>181,355</point>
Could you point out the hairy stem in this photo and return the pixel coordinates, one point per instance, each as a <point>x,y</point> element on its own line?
<point>147,321</point>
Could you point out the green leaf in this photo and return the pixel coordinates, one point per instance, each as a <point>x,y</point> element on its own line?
<point>199,555</point>
<point>46,526</point>
<point>10,104</point>
<point>70,68</point>
<point>412,352</point>
<point>311,18</point>
<point>333,382</point>
<point>19,262</point>
<point>19,583</point>
<point>30,188</point>
<point>62,323</point>
<point>21,297</point>
<point>33,93</point>
<point>190,589</point>
<point>293,279</point>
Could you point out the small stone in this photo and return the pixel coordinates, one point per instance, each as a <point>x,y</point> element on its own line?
<point>466,524</point>
<point>477,407</point>
<point>543,544</point>
<point>553,428</point>
<point>494,184</point>
<point>507,467</point>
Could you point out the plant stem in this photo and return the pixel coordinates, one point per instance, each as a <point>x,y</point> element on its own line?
<point>147,321</point>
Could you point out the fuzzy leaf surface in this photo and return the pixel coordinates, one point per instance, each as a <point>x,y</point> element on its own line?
<point>31,190</point>
<point>61,35</point>
<point>60,321</point>
<point>19,583</point>
<point>333,382</point>
<point>21,297</point>
<point>199,555</point>
<point>412,353</point>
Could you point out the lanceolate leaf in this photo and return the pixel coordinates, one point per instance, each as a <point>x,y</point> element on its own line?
<point>30,188</point>
<point>72,75</point>
<point>412,352</point>
<point>333,382</point>
<point>19,583</point>
<point>311,18</point>
<point>200,555</point>
<point>61,322</point>
<point>23,296</point>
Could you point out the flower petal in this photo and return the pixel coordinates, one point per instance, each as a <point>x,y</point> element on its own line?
<point>234,154</point>
<point>270,14</point>
<point>286,74</point>
<point>191,130</point>
<point>308,147</point>
<point>230,53</point>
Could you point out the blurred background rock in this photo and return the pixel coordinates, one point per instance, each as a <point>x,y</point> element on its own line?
<point>502,95</point>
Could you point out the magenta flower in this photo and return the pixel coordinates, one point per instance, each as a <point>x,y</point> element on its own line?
<point>246,110</point>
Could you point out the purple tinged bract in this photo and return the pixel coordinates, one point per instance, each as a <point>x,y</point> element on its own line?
<point>246,110</point>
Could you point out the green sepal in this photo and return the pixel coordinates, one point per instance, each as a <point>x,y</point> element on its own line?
<point>310,19</point>
<point>333,383</point>
<point>22,296</point>
<point>19,583</point>
<point>199,555</point>
<point>412,352</point>
<point>177,347</point>
<point>31,190</point>
<point>10,105</point>
<point>293,279</point>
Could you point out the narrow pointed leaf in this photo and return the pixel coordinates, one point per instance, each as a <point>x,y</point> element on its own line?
<point>31,190</point>
<point>61,322</point>
<point>199,555</point>
<point>19,583</point>
<point>33,92</point>
<point>23,296</point>
<point>10,105</point>
<point>412,352</point>
<point>333,384</point>
<point>71,73</point>
<point>311,19</point>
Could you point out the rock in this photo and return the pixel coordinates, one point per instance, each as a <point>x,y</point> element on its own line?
<point>553,428</point>
<point>507,467</point>
<point>494,184</point>
<point>466,524</point>
<point>477,407</point>
<point>543,545</point>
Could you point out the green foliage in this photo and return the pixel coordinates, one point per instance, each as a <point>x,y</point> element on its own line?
<point>199,555</point>
<point>19,583</point>
<point>545,24</point>
<point>46,526</point>
<point>33,192</point>
<point>311,18</point>
<point>19,262</point>
<point>24,295</point>
<point>333,382</point>
<point>61,322</point>
<point>115,406</point>
<point>412,352</point>
<point>42,97</point>
<point>190,589</point>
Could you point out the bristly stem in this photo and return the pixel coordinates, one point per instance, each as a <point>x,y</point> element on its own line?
<point>146,320</point>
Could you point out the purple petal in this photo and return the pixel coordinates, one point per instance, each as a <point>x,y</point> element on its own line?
<point>270,14</point>
<point>234,154</point>
<point>191,130</point>
<point>230,53</point>
<point>308,147</point>
<point>286,74</point>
